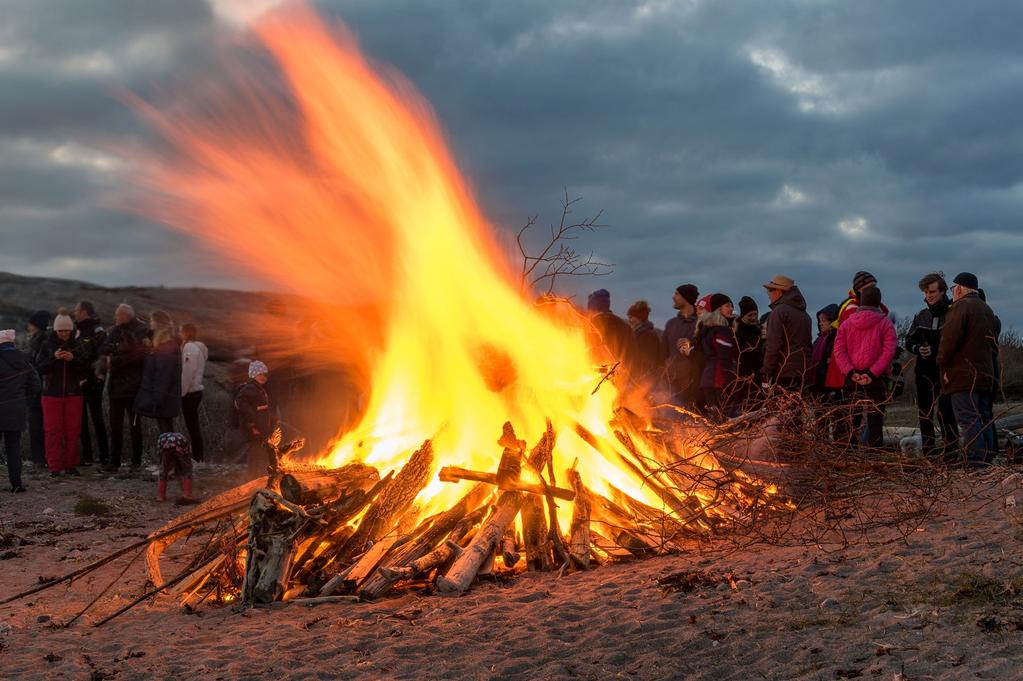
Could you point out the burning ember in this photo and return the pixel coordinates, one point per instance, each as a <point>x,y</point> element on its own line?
<point>337,182</point>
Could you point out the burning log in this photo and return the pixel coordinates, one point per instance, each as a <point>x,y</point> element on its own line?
<point>443,525</point>
<point>466,566</point>
<point>392,502</point>
<point>509,552</point>
<point>330,484</point>
<point>534,534</point>
<point>435,558</point>
<point>455,474</point>
<point>273,525</point>
<point>579,530</point>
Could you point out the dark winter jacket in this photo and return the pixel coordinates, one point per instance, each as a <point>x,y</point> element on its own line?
<point>125,345</point>
<point>256,413</point>
<point>789,338</point>
<point>91,337</point>
<point>646,363</point>
<point>720,352</point>
<point>926,330</point>
<point>751,352</point>
<point>19,382</point>
<point>964,356</point>
<point>61,378</point>
<point>615,334</point>
<point>159,394</point>
<point>681,368</point>
<point>35,347</point>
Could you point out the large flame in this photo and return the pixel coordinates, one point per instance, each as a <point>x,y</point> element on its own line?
<point>340,186</point>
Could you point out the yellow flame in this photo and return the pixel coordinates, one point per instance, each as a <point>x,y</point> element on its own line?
<point>347,190</point>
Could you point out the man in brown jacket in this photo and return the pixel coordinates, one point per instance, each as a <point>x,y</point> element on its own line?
<point>967,367</point>
<point>789,342</point>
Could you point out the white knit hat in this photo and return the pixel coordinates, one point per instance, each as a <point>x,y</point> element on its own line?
<point>7,336</point>
<point>256,368</point>
<point>62,322</point>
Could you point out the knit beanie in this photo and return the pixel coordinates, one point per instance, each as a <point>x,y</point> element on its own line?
<point>40,319</point>
<point>62,322</point>
<point>717,300</point>
<point>967,279</point>
<point>599,301</point>
<point>256,368</point>
<point>870,297</point>
<point>747,305</point>
<point>689,293</point>
<point>7,336</point>
<point>703,304</point>
<point>862,279</point>
<point>640,310</point>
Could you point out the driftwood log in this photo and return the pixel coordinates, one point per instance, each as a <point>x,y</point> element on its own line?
<point>330,484</point>
<point>273,525</point>
<point>393,501</point>
<point>579,530</point>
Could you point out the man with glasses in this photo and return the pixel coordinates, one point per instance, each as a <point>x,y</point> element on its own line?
<point>967,367</point>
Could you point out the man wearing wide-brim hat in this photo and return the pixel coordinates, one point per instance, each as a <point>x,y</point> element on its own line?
<point>967,367</point>
<point>789,334</point>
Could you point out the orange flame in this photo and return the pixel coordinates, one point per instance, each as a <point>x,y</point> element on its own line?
<point>342,186</point>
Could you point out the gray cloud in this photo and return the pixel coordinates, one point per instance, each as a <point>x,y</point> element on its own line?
<point>725,141</point>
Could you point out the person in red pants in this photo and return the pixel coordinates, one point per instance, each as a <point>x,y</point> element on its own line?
<point>62,365</point>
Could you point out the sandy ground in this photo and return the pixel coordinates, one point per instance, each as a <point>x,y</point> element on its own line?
<point>946,603</point>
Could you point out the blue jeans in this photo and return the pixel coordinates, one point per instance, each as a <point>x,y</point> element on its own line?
<point>975,435</point>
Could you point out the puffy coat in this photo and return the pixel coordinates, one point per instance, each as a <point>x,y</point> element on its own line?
<point>18,382</point>
<point>866,342</point>
<point>720,352</point>
<point>835,379</point>
<point>62,378</point>
<point>125,345</point>
<point>681,368</point>
<point>965,354</point>
<point>159,394</point>
<point>789,338</point>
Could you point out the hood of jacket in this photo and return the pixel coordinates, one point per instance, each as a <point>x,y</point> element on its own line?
<point>866,318</point>
<point>793,298</point>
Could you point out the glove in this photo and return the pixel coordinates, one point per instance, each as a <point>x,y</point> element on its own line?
<point>925,351</point>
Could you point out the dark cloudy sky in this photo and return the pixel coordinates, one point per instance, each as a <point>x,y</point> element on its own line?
<point>726,141</point>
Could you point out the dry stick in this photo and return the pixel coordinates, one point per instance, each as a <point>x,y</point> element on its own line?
<point>112,557</point>
<point>379,583</point>
<point>392,502</point>
<point>102,593</point>
<point>455,474</point>
<point>149,594</point>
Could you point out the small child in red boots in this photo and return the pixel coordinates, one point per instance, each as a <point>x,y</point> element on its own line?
<point>175,457</point>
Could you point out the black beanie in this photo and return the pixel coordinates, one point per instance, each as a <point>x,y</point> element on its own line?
<point>747,305</point>
<point>40,319</point>
<point>719,299</point>
<point>689,293</point>
<point>862,279</point>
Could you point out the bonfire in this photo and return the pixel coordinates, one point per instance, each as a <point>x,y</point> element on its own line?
<point>495,438</point>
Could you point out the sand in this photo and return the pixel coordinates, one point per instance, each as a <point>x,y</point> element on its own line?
<point>938,605</point>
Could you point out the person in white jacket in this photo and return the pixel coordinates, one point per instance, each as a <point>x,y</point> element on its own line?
<point>193,365</point>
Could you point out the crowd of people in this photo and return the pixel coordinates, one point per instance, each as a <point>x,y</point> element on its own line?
<point>152,371</point>
<point>711,360</point>
<point>714,362</point>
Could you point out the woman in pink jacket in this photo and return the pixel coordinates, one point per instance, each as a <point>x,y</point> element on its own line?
<point>864,350</point>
